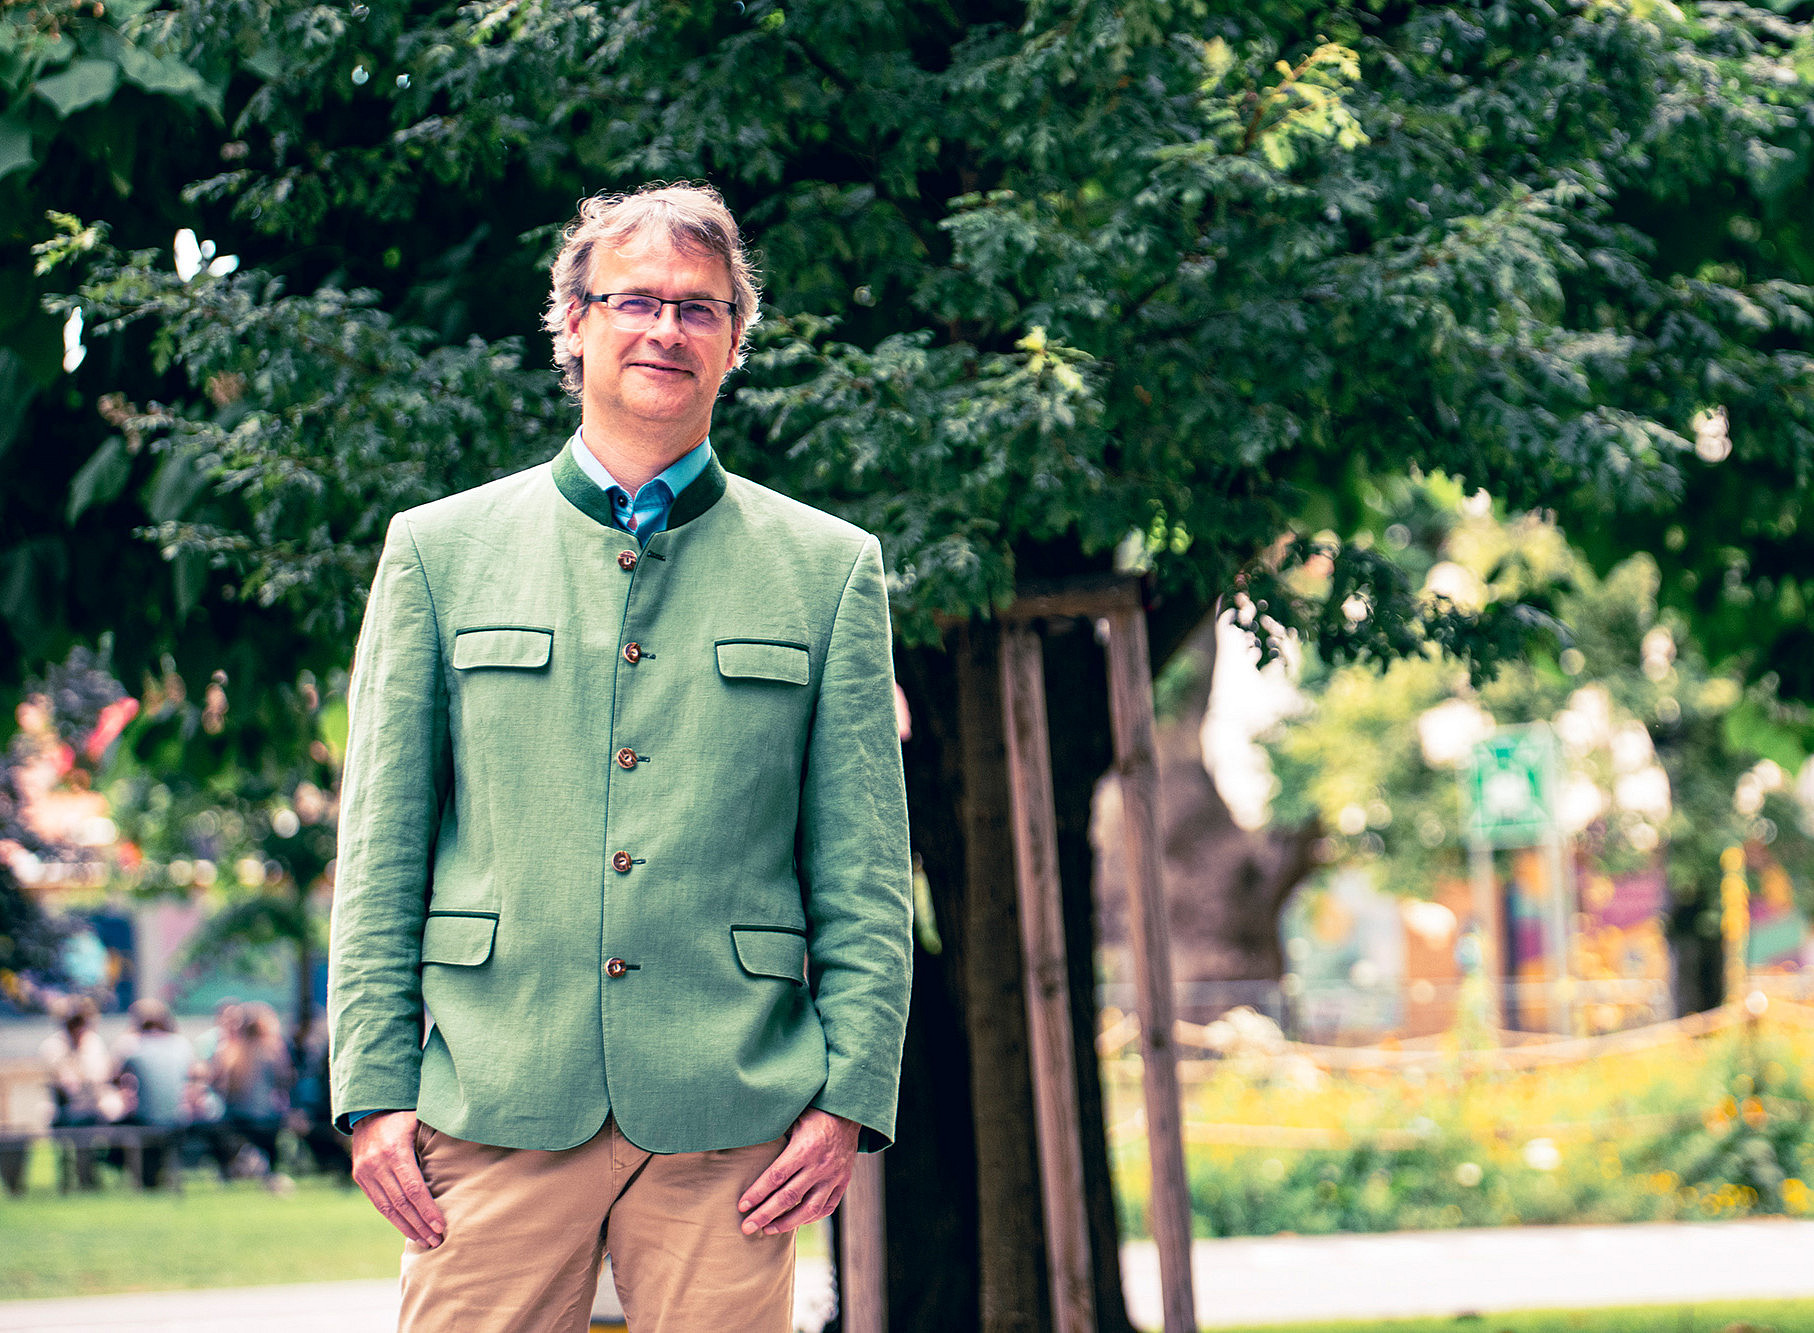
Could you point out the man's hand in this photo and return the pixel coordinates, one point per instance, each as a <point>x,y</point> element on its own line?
<point>385,1166</point>
<point>807,1180</point>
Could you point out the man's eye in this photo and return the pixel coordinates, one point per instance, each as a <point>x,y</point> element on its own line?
<point>703,310</point>
<point>637,305</point>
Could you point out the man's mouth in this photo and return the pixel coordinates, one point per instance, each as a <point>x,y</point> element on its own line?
<point>667,367</point>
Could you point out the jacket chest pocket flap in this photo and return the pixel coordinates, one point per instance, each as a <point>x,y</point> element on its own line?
<point>462,939</point>
<point>763,659</point>
<point>522,647</point>
<point>771,951</point>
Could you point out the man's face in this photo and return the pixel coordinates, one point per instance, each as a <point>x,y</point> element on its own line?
<point>663,378</point>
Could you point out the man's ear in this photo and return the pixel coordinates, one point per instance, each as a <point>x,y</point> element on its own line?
<point>576,345</point>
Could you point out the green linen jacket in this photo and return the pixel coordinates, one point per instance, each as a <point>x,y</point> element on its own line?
<point>630,823</point>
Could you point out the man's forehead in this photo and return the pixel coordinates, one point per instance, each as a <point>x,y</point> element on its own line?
<point>653,254</point>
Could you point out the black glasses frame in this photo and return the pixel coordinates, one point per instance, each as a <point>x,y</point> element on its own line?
<point>730,307</point>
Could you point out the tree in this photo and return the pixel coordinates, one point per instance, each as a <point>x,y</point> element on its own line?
<point>95,122</point>
<point>1056,286</point>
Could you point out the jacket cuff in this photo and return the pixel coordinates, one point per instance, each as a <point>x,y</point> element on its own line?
<point>345,1121</point>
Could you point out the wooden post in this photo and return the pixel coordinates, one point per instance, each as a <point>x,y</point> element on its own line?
<point>863,1254</point>
<point>1131,716</point>
<point>1486,924</point>
<point>1048,990</point>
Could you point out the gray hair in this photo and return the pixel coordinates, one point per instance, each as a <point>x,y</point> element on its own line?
<point>693,218</point>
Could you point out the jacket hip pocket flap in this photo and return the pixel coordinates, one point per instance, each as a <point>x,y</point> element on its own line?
<point>762,659</point>
<point>502,646</point>
<point>461,939</point>
<point>771,951</point>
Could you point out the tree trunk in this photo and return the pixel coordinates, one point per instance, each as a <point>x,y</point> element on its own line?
<point>965,1234</point>
<point>1009,1231</point>
<point>1697,959</point>
<point>1225,886</point>
<point>931,1187</point>
<point>1077,686</point>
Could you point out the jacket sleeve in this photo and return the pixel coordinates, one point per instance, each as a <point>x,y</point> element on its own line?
<point>397,777</point>
<point>854,861</point>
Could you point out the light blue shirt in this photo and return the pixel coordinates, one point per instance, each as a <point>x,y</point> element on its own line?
<point>645,513</point>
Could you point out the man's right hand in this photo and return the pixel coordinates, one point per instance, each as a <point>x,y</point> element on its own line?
<point>385,1167</point>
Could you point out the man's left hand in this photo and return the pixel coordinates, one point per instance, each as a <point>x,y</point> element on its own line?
<point>807,1180</point>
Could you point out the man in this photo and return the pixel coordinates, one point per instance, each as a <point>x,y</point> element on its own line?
<point>623,808</point>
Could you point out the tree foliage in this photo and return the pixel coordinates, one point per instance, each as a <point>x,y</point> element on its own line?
<point>1049,275</point>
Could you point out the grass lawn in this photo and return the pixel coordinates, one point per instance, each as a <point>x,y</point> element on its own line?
<point>212,1235</point>
<point>1715,1317</point>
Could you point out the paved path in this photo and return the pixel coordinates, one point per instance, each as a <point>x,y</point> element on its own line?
<point>340,1307</point>
<point>1446,1273</point>
<point>1276,1279</point>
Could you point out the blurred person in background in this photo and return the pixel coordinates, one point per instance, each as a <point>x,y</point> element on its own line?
<point>79,1073</point>
<point>226,1018</point>
<point>155,1069</point>
<point>78,1068</point>
<point>251,1072</point>
<point>311,1116</point>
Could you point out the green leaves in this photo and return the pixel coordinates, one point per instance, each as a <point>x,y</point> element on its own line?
<point>166,75</point>
<point>316,418</point>
<point>82,83</point>
<point>100,479</point>
<point>15,146</point>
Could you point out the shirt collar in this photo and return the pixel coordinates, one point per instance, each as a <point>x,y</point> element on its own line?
<point>675,477</point>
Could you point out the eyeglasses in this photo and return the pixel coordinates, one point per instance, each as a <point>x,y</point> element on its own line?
<point>634,311</point>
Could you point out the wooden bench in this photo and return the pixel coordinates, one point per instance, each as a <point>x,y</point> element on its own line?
<point>76,1146</point>
<point>15,1147</point>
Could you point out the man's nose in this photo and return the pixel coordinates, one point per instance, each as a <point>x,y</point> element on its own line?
<point>667,328</point>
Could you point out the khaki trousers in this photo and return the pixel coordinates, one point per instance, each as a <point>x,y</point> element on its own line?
<point>527,1231</point>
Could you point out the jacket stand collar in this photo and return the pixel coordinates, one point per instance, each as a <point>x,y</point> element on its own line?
<point>583,493</point>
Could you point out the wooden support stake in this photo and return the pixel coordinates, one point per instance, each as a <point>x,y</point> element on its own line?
<point>1048,990</point>
<point>1488,933</point>
<point>862,1254</point>
<point>1131,716</point>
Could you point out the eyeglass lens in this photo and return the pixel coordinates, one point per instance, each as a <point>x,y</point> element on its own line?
<point>641,312</point>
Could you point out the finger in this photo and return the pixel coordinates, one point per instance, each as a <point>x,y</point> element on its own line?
<point>778,1202</point>
<point>818,1203</point>
<point>397,1189</point>
<point>375,1189</point>
<point>392,1214</point>
<point>420,1202</point>
<point>401,1212</point>
<point>783,1169</point>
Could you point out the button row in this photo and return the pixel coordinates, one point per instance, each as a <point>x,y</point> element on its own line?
<point>621,862</point>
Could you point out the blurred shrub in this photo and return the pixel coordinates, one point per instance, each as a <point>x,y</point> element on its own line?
<point>1696,1128</point>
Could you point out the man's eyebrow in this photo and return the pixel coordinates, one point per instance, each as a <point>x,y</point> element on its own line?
<point>695,295</point>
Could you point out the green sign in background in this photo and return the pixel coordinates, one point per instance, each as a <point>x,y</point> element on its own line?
<point>1508,788</point>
